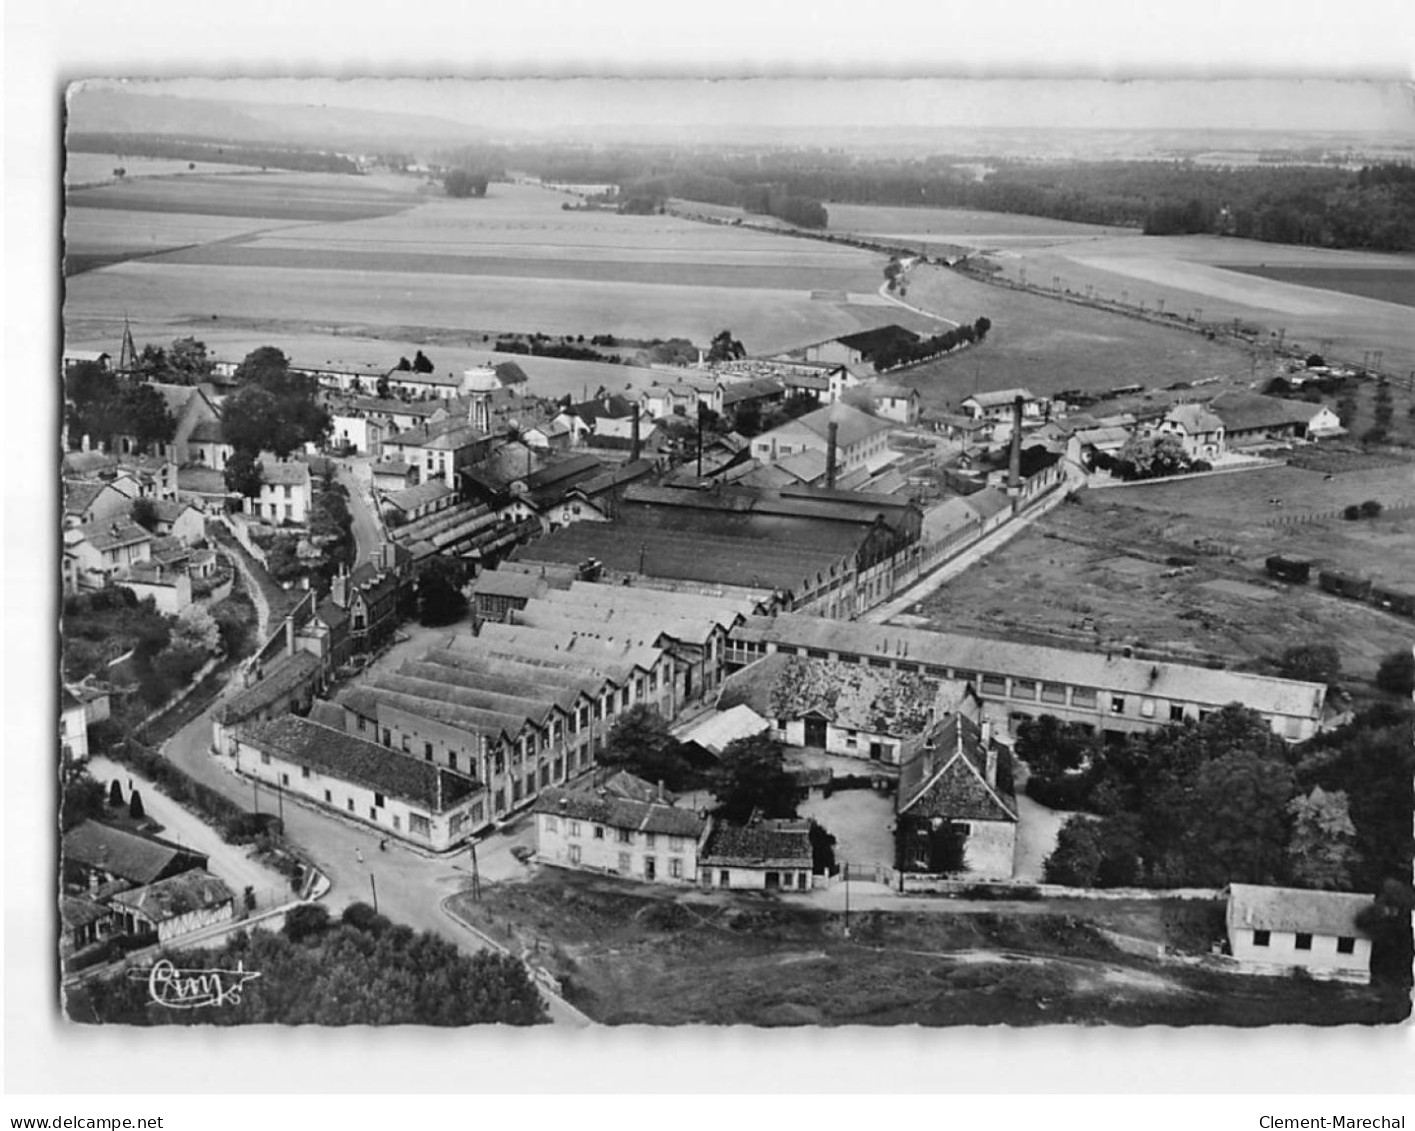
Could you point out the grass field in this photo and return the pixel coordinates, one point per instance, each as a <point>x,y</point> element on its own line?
<point>628,954</point>
<point>84,169</point>
<point>1112,571</point>
<point>1047,345</point>
<point>1220,280</point>
<point>381,255</point>
<point>959,226</point>
<point>1393,284</point>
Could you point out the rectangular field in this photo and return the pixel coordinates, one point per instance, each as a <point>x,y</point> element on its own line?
<point>957,225</point>
<point>1385,285</point>
<point>84,169</point>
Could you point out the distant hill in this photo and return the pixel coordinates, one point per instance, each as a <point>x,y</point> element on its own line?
<point>111,110</point>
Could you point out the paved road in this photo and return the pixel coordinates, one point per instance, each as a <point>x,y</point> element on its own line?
<point>368,530</point>
<point>410,887</point>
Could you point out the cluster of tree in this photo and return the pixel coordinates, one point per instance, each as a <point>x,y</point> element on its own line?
<point>903,353</point>
<point>1379,432</point>
<point>1225,800</point>
<point>165,651</point>
<point>273,410</point>
<point>750,193</point>
<point>462,183</point>
<point>361,970</point>
<point>1396,673</point>
<point>103,405</point>
<point>1150,457</point>
<point>419,364</point>
<point>185,363</point>
<point>1371,508</point>
<point>179,148</point>
<point>536,347</point>
<point>725,347</point>
<point>439,590</point>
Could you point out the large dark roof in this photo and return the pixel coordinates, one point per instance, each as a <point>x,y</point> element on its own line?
<point>126,855</point>
<point>754,563</point>
<point>351,759</point>
<point>288,674</point>
<point>176,896</point>
<point>762,844</point>
<point>870,342</point>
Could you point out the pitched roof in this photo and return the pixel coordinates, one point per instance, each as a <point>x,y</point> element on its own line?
<point>1000,398</point>
<point>988,502</point>
<point>123,854</point>
<point>79,494</point>
<point>410,498</point>
<point>1241,411</point>
<point>1194,418</point>
<point>948,778</point>
<point>716,730</point>
<point>870,342</point>
<point>1263,908</point>
<point>761,844</point>
<point>286,675</point>
<point>278,472</point>
<point>112,535</point>
<point>346,758</point>
<point>606,807</point>
<point>779,686</point>
<point>509,583</point>
<point>855,425</point>
<point>86,463</point>
<point>613,407</point>
<point>80,911</point>
<point>980,654</point>
<point>509,373</point>
<point>751,390</point>
<point>208,432</point>
<point>176,896</point>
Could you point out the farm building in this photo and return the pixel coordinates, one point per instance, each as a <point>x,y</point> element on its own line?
<point>763,855</point>
<point>1109,692</point>
<point>405,797</point>
<point>844,709</point>
<point>1273,930</point>
<point>681,396</point>
<point>956,812</point>
<point>170,588</point>
<point>627,827</point>
<point>1250,418</point>
<point>858,351</point>
<point>94,500</point>
<point>755,395</point>
<point>175,906</point>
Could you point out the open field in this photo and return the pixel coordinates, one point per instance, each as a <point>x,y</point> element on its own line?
<point>1111,571</point>
<point>1207,277</point>
<point>960,226</point>
<point>84,169</point>
<point>1047,345</point>
<point>629,954</point>
<point>100,237</point>
<point>378,256</point>
<point>1391,284</point>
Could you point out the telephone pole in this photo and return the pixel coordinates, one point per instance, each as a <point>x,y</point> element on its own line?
<point>373,886</point>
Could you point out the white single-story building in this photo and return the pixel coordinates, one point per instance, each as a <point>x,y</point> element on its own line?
<point>176,906</point>
<point>764,855</point>
<point>1274,930</point>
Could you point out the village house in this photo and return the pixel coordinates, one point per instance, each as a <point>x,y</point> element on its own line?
<point>1274,930</point>
<point>998,407</point>
<point>373,595</point>
<point>83,922</point>
<point>861,440</point>
<point>95,855</point>
<point>182,521</point>
<point>425,386</point>
<point>956,813</point>
<point>73,728</point>
<point>94,501</point>
<point>285,492</point>
<point>175,906</point>
<point>552,435</point>
<point>762,855</point>
<point>681,396</point>
<point>438,452</point>
<point>101,549</point>
<point>838,708</point>
<point>611,416</point>
<point>169,587</point>
<point>627,827</point>
<point>189,405</point>
<point>407,798</point>
<point>891,401</point>
<point>1196,428</point>
<point>1110,692</point>
<point>742,398</point>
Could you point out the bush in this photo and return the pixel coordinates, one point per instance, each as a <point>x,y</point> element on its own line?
<point>1397,673</point>
<point>1064,791</point>
<point>364,918</point>
<point>309,920</point>
<point>1351,513</point>
<point>1370,509</point>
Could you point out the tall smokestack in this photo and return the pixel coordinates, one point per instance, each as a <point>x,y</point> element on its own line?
<point>831,433</point>
<point>634,443</point>
<point>1014,459</point>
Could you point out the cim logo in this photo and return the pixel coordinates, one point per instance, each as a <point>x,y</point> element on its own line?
<point>194,989</point>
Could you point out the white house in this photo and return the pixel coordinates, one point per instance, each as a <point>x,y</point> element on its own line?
<point>626,828</point>
<point>892,401</point>
<point>998,406</point>
<point>73,727</point>
<point>764,855</point>
<point>399,794</point>
<point>175,906</point>
<point>284,492</point>
<point>1197,429</point>
<point>93,500</point>
<point>1274,930</point>
<point>169,587</point>
<point>180,520</point>
<point>101,549</point>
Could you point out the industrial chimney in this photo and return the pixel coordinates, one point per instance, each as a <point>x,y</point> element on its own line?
<point>1014,459</point>
<point>634,442</point>
<point>832,432</point>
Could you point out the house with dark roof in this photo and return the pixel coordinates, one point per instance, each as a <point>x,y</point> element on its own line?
<point>628,827</point>
<point>102,549</point>
<point>401,796</point>
<point>752,395</point>
<point>83,921</point>
<point>611,416</point>
<point>100,854</point>
<point>956,813</point>
<point>762,855</point>
<point>438,451</point>
<point>843,709</point>
<point>175,906</point>
<point>496,593</point>
<point>1273,930</point>
<point>375,596</point>
<point>93,500</point>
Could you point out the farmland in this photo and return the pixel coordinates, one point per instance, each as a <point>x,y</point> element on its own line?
<point>383,254</point>
<point>1047,345</point>
<point>84,169</point>
<point>1385,284</point>
<point>959,226</point>
<point>1178,567</point>
<point>629,954</point>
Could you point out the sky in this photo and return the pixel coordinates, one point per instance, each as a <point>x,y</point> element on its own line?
<point>1254,103</point>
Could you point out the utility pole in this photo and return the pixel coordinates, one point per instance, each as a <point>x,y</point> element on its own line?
<point>255,795</point>
<point>476,875</point>
<point>374,887</point>
<point>846,868</point>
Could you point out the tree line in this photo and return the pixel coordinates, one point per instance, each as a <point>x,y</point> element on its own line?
<point>178,148</point>
<point>905,353</point>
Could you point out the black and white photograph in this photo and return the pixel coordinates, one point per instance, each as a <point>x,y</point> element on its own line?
<point>602,551</point>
